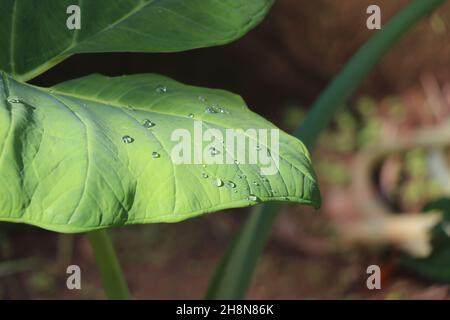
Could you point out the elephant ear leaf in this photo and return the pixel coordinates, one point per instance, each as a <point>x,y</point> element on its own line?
<point>35,35</point>
<point>97,152</point>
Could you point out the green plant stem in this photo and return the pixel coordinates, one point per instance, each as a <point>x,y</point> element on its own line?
<point>108,265</point>
<point>234,274</point>
<point>65,249</point>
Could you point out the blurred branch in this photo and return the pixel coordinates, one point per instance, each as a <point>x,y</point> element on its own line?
<point>376,224</point>
<point>366,161</point>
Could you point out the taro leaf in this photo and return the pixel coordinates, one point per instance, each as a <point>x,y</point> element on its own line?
<point>436,265</point>
<point>96,152</point>
<point>34,35</point>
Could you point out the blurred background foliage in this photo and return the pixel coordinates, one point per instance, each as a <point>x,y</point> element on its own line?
<point>279,69</point>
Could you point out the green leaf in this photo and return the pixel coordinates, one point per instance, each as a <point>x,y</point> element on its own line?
<point>35,35</point>
<point>436,266</point>
<point>65,165</point>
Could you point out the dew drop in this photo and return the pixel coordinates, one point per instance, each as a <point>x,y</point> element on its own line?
<point>161,89</point>
<point>13,99</point>
<point>255,183</point>
<point>127,139</point>
<point>222,110</point>
<point>155,155</point>
<point>130,108</point>
<point>204,175</point>
<point>210,110</point>
<point>191,115</point>
<point>252,197</point>
<point>258,147</point>
<point>148,124</point>
<point>235,191</point>
<point>202,98</point>
<point>213,151</point>
<point>236,162</point>
<point>219,182</point>
<point>204,165</point>
<point>231,184</point>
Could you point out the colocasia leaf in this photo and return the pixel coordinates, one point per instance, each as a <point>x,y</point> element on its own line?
<point>36,35</point>
<point>97,152</point>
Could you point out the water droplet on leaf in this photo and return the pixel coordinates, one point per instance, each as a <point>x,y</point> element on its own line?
<point>127,139</point>
<point>222,110</point>
<point>161,89</point>
<point>231,184</point>
<point>210,110</point>
<point>213,151</point>
<point>13,99</point>
<point>148,124</point>
<point>219,182</point>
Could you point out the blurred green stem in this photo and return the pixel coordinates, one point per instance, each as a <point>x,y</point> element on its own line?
<point>234,274</point>
<point>241,258</point>
<point>108,265</point>
<point>65,249</point>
